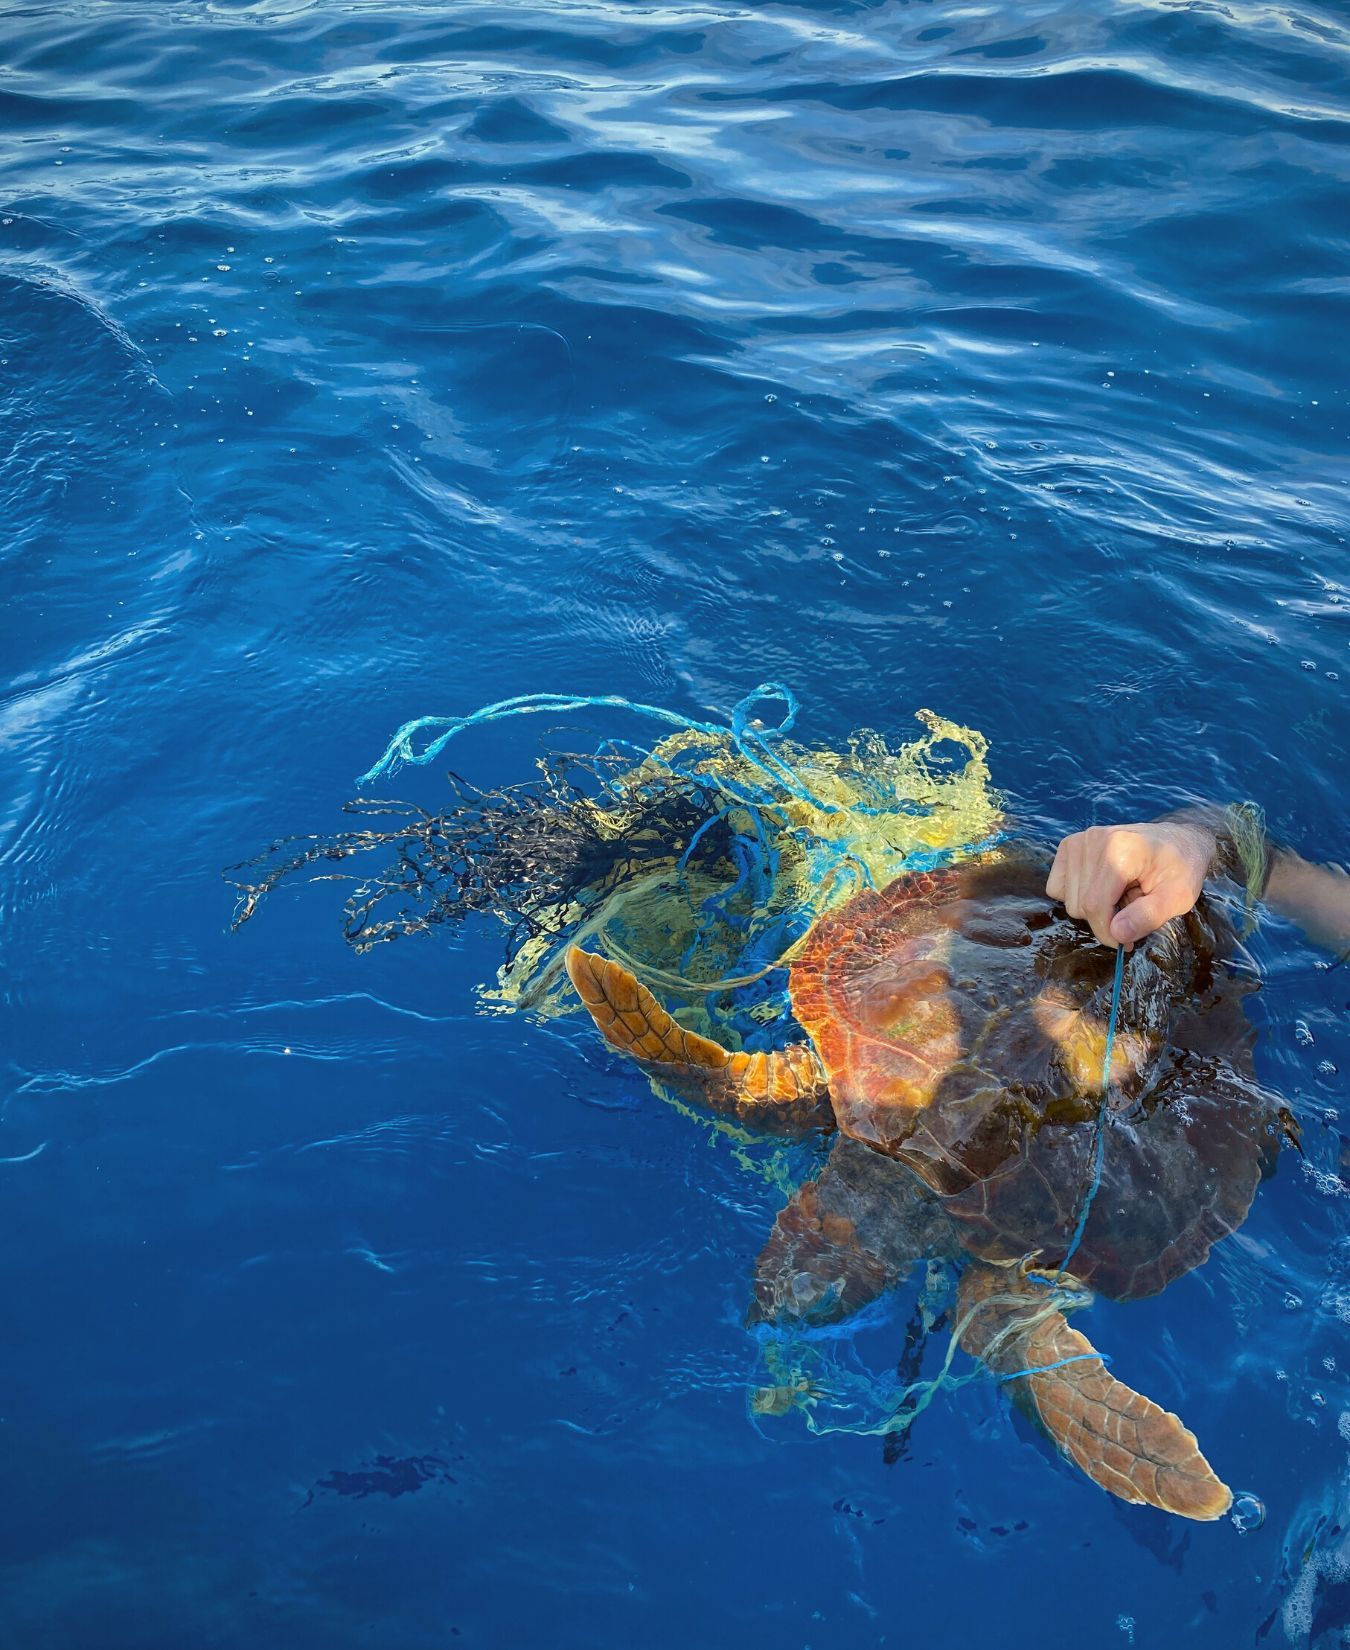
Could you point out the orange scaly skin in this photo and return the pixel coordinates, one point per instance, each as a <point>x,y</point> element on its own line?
<point>783,1092</point>
<point>1123,1441</point>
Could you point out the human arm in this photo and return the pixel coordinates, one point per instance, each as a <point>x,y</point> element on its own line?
<point>1316,897</point>
<point>1127,880</point>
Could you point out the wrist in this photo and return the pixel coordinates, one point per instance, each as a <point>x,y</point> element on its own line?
<point>1201,827</point>
<point>1234,841</point>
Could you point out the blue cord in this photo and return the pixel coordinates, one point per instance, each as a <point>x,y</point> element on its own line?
<point>1099,1134</point>
<point>1059,1363</point>
<point>1098,1155</point>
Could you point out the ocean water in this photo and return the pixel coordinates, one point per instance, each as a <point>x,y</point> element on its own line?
<point>363,360</point>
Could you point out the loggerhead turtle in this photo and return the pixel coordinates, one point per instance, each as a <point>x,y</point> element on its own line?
<point>956,1023</point>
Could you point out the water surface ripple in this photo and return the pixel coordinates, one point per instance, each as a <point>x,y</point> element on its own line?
<point>360,360</point>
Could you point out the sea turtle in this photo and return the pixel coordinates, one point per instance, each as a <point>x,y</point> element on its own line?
<point>956,1023</point>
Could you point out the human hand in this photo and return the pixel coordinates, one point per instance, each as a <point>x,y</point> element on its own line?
<point>1151,872</point>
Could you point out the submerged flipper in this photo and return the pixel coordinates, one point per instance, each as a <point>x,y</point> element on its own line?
<point>1121,1440</point>
<point>783,1091</point>
<point>846,1237</point>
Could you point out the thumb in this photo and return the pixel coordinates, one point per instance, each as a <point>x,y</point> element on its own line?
<point>1141,916</point>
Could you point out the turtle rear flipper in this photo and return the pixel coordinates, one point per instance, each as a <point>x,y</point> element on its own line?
<point>1123,1441</point>
<point>783,1091</point>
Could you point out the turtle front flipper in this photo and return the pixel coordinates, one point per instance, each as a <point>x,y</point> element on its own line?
<point>783,1091</point>
<point>1123,1441</point>
<point>846,1238</point>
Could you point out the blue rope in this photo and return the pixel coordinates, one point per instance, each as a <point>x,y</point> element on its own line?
<point>1059,1363</point>
<point>1099,1132</point>
<point>1094,1186</point>
<point>1098,1157</point>
<point>753,743</point>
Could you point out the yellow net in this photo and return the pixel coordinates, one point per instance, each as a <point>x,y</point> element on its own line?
<point>796,838</point>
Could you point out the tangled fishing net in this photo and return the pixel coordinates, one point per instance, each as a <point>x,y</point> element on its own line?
<point>698,861</point>
<point>816,1371</point>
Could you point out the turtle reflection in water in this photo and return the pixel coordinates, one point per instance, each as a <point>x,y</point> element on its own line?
<point>957,1024</point>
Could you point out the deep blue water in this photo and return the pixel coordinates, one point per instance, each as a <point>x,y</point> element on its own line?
<point>364,360</point>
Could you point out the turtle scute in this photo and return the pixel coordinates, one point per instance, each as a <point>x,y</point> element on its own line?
<point>990,1092</point>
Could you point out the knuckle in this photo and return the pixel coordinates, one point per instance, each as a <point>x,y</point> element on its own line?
<point>1121,845</point>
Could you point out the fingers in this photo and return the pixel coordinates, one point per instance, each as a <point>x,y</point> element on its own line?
<point>1092,871</point>
<point>1171,898</point>
<point>1118,858</point>
<point>1057,883</point>
<point>1127,880</point>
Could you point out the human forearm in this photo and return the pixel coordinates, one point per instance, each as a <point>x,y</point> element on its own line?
<point>1316,897</point>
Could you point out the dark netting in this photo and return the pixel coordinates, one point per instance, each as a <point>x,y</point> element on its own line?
<point>535,857</point>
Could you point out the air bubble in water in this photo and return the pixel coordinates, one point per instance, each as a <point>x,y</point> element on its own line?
<point>1249,1513</point>
<point>1303,1034</point>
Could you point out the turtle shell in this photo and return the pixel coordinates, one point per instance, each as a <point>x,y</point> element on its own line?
<point>961,1018</point>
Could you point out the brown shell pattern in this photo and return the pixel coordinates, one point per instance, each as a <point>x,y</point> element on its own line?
<point>961,1015</point>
